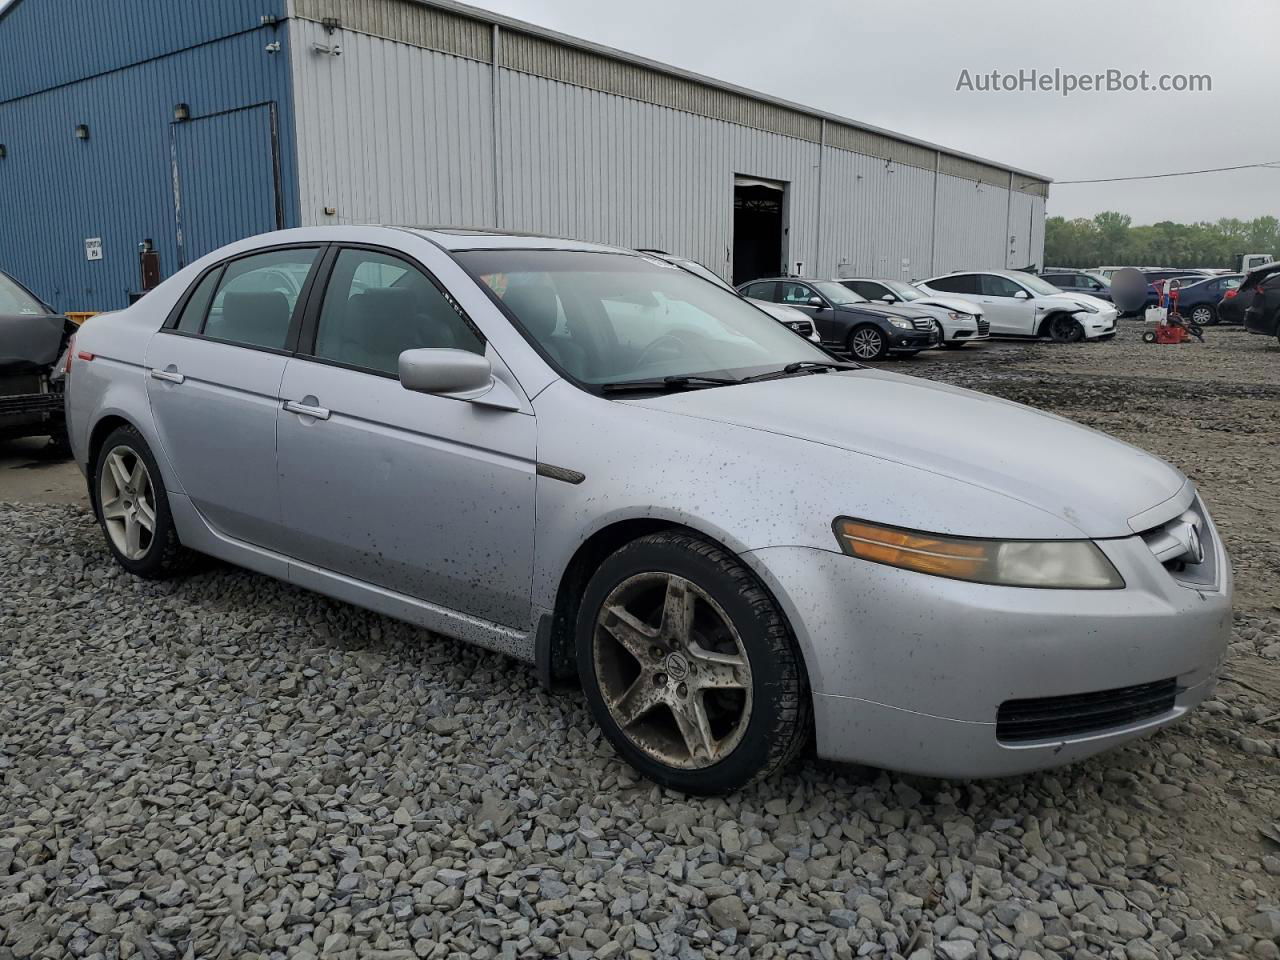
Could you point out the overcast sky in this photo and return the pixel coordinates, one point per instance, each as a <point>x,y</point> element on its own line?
<point>896,64</point>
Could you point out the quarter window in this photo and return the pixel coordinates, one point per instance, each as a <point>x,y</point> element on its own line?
<point>377,306</point>
<point>764,290</point>
<point>256,298</point>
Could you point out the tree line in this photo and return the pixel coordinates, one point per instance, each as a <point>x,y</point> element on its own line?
<point>1111,239</point>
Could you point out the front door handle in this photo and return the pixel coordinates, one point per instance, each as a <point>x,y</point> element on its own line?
<point>306,410</point>
<point>168,376</point>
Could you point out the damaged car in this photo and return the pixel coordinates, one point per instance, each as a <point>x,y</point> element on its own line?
<point>600,464</point>
<point>33,339</point>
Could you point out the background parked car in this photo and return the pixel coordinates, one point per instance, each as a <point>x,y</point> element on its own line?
<point>788,316</point>
<point>32,339</point>
<point>1263,313</point>
<point>847,322</point>
<point>1234,303</point>
<point>1020,304</point>
<point>1079,281</point>
<point>960,321</point>
<point>1198,300</point>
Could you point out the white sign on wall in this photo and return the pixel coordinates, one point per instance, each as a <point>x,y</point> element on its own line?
<point>93,248</point>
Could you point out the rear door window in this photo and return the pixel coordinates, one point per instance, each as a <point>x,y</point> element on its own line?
<point>257,296</point>
<point>959,283</point>
<point>762,290</point>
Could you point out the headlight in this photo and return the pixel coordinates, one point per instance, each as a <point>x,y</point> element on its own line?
<point>960,317</point>
<point>1060,564</point>
<point>1088,307</point>
<point>904,324</point>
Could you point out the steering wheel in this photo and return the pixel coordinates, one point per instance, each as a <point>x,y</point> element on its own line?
<point>665,342</point>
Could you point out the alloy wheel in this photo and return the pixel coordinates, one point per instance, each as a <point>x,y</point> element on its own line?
<point>127,500</point>
<point>1202,315</point>
<point>867,344</point>
<point>672,670</point>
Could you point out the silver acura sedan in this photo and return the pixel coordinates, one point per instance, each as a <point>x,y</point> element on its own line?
<point>603,465</point>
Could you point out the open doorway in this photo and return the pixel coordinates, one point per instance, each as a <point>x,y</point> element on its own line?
<point>759,228</point>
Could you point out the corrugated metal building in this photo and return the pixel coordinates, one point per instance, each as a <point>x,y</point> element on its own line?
<point>189,124</point>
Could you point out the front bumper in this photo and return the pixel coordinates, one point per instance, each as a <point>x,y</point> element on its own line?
<point>912,340</point>
<point>909,671</point>
<point>1100,324</point>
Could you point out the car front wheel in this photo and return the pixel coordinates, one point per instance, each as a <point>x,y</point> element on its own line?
<point>868,343</point>
<point>1064,328</point>
<point>689,667</point>
<point>133,508</point>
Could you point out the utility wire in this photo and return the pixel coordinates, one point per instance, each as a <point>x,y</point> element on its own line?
<point>1270,164</point>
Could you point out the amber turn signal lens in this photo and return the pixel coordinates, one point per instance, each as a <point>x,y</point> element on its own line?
<point>943,557</point>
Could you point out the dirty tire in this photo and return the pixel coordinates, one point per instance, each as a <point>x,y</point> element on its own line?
<point>1064,328</point>
<point>1148,337</point>
<point>165,556</point>
<point>779,720</point>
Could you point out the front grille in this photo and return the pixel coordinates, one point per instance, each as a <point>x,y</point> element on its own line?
<point>1055,718</point>
<point>802,327</point>
<point>922,323</point>
<point>984,328</point>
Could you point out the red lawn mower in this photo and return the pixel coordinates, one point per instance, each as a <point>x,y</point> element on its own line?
<point>1170,326</point>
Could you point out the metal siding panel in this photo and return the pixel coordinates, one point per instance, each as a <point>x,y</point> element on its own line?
<point>972,222</point>
<point>118,184</point>
<point>391,133</point>
<point>45,43</point>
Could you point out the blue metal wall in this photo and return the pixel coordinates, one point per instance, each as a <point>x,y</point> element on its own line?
<point>56,191</point>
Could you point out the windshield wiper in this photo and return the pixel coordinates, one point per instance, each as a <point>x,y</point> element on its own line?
<point>666,383</point>
<point>803,366</point>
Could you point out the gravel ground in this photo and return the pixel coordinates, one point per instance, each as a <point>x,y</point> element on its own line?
<point>225,766</point>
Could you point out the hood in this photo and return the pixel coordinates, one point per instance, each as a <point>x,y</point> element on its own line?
<point>1082,298</point>
<point>885,310</point>
<point>31,341</point>
<point>780,311</point>
<point>954,304</point>
<point>1093,482</point>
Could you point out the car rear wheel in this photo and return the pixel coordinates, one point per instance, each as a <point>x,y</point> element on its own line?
<point>1064,328</point>
<point>1204,315</point>
<point>868,343</point>
<point>689,667</point>
<point>133,508</point>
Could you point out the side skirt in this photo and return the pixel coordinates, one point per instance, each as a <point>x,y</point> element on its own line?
<point>195,532</point>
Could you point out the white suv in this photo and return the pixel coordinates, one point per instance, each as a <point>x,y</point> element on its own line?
<point>1019,304</point>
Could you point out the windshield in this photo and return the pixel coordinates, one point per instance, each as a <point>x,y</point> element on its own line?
<point>1037,286</point>
<point>698,270</point>
<point>904,291</point>
<point>609,318</point>
<point>837,293</point>
<point>14,301</point>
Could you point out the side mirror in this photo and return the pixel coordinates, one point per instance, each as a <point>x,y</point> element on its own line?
<point>458,372</point>
<point>889,298</point>
<point>816,302</point>
<point>1022,295</point>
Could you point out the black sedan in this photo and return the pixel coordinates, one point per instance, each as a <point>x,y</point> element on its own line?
<point>847,322</point>
<point>32,339</point>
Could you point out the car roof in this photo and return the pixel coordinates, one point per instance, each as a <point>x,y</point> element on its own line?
<point>485,238</point>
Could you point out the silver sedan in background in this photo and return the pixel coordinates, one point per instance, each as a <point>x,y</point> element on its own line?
<point>589,459</point>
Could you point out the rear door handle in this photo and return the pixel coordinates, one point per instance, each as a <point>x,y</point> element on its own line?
<point>306,410</point>
<point>168,376</point>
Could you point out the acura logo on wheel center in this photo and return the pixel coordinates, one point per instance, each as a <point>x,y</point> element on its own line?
<point>677,667</point>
